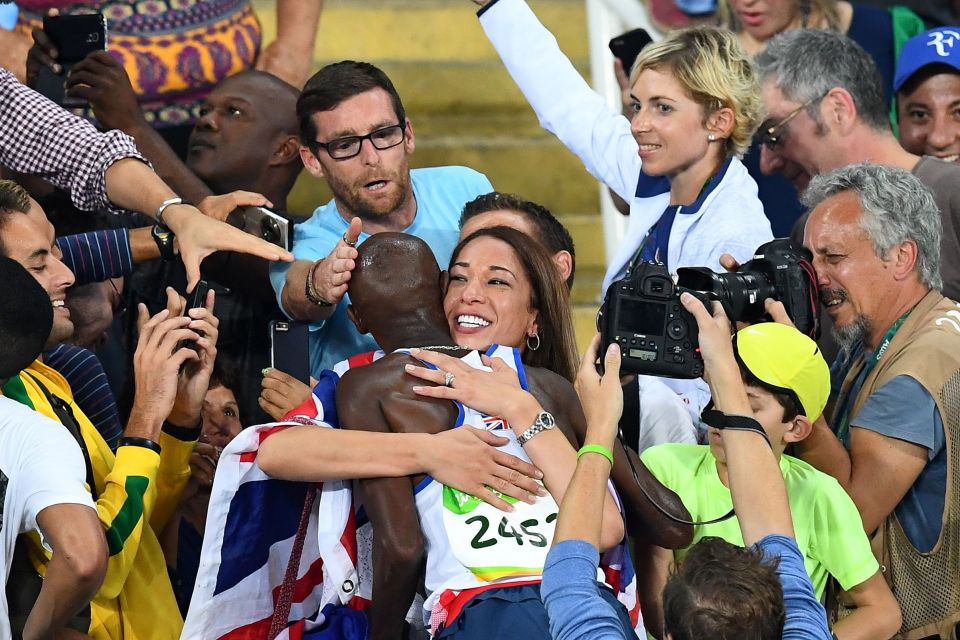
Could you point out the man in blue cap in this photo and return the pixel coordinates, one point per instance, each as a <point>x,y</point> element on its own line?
<point>927,84</point>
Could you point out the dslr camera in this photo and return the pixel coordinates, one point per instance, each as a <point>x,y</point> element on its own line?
<point>657,336</point>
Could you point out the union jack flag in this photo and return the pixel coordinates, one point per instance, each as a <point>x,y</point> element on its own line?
<point>252,524</point>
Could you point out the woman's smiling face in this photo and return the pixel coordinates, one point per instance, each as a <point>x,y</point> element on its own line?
<point>488,296</point>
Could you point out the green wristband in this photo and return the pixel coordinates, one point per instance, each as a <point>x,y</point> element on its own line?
<point>596,448</point>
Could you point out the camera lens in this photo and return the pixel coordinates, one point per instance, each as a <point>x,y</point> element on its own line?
<point>745,292</point>
<point>270,230</point>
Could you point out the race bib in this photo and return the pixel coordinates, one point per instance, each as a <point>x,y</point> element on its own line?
<point>496,545</point>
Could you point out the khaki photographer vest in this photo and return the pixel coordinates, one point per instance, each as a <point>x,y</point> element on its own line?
<point>927,585</point>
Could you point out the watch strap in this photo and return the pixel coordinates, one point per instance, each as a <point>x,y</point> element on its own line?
<point>542,422</point>
<point>163,238</point>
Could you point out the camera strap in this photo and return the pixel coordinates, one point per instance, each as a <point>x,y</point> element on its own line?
<point>720,420</point>
<point>657,505</point>
<point>842,421</point>
<point>64,414</point>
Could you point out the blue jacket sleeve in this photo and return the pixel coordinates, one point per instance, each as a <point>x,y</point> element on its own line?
<point>572,598</point>
<point>98,255</point>
<point>806,619</point>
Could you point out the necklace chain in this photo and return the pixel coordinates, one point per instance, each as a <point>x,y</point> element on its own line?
<point>446,347</point>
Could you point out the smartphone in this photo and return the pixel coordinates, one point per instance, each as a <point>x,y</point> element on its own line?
<point>627,46</point>
<point>196,301</point>
<point>263,223</point>
<point>74,36</point>
<point>289,349</point>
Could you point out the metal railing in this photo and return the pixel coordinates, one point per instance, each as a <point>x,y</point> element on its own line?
<point>605,20</point>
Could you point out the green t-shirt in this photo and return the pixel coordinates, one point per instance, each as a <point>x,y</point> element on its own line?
<point>827,524</point>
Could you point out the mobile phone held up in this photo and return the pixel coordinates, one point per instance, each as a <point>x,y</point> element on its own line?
<point>197,300</point>
<point>74,36</point>
<point>289,348</point>
<point>627,46</point>
<point>263,223</point>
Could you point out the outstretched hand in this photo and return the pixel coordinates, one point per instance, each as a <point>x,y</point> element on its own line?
<point>332,275</point>
<point>199,236</point>
<point>221,206</point>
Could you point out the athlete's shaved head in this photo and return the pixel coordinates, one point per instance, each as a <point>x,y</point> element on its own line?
<point>395,286</point>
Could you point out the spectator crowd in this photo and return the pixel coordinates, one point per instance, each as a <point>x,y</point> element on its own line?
<point>223,420</point>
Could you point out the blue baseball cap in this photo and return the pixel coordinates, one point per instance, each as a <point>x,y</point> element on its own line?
<point>937,46</point>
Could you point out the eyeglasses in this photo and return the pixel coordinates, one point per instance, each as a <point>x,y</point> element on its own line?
<point>343,148</point>
<point>772,137</point>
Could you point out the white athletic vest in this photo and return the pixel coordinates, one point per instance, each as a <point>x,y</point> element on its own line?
<point>469,543</point>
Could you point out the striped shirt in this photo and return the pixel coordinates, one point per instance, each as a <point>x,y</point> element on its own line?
<point>97,255</point>
<point>91,389</point>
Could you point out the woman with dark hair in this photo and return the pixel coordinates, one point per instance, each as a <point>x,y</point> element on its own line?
<point>504,288</point>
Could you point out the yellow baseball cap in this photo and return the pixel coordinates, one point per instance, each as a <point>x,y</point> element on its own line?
<point>784,360</point>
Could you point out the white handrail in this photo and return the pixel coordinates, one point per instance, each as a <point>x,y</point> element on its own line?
<point>607,19</point>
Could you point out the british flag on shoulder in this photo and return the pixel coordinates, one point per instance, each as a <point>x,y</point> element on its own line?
<point>252,530</point>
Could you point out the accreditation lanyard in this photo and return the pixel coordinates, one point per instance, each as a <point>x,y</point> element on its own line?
<point>843,421</point>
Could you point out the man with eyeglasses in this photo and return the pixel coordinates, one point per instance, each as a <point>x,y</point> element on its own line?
<point>357,136</point>
<point>826,110</point>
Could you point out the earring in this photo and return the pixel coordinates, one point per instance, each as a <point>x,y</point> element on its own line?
<point>711,137</point>
<point>535,345</point>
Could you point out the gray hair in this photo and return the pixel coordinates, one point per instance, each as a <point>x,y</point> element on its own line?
<point>896,207</point>
<point>807,63</point>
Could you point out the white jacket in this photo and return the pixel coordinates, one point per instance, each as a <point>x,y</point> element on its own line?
<point>727,218</point>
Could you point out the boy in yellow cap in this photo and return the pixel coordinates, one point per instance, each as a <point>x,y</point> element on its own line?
<point>787,383</point>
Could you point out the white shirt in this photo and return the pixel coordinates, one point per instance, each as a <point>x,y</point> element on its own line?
<point>40,465</point>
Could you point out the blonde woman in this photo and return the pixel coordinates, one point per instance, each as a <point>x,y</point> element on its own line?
<point>695,106</point>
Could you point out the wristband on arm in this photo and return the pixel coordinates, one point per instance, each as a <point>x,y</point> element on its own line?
<point>596,448</point>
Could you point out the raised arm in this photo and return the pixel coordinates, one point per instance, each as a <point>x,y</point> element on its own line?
<point>569,588</point>
<point>756,482</point>
<point>565,104</point>
<point>290,55</point>
<point>102,81</point>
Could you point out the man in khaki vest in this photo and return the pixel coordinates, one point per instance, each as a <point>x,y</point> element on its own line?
<point>894,439</point>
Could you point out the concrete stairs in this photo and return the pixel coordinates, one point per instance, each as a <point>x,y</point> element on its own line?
<point>466,110</point>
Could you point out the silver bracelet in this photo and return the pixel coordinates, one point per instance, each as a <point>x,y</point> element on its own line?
<point>169,202</point>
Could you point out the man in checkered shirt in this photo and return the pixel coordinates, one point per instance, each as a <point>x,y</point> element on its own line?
<point>106,171</point>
